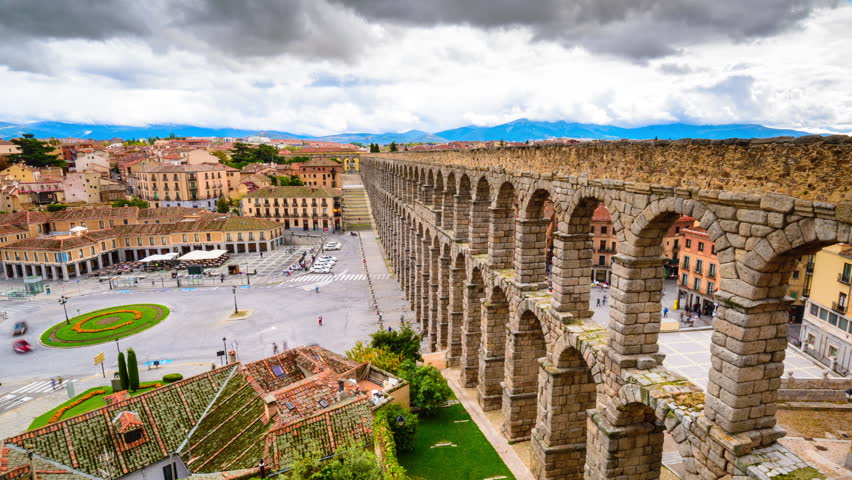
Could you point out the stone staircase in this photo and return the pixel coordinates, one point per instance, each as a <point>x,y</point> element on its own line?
<point>356,211</point>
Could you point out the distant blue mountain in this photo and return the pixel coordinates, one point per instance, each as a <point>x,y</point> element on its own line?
<point>522,129</point>
<point>516,131</point>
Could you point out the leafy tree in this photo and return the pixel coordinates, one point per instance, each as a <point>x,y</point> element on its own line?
<point>122,372</point>
<point>291,181</point>
<point>132,371</point>
<point>273,179</point>
<point>223,205</point>
<point>357,144</point>
<point>381,358</point>
<point>403,435</point>
<point>266,154</point>
<point>242,154</point>
<point>350,462</point>
<point>35,153</point>
<point>374,148</point>
<point>133,202</point>
<point>393,147</point>
<point>55,207</point>
<point>222,156</point>
<point>429,390</point>
<point>299,159</point>
<point>404,342</point>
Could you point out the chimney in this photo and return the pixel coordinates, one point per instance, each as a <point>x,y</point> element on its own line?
<point>340,385</point>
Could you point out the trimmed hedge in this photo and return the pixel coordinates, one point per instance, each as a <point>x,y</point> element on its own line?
<point>386,449</point>
<point>172,377</point>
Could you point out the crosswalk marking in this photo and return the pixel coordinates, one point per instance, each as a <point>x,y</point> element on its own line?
<point>10,401</point>
<point>41,387</point>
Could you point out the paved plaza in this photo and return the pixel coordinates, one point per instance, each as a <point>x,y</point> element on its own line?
<point>284,309</point>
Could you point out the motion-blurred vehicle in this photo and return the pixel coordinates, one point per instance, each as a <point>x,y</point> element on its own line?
<point>20,328</point>
<point>22,346</point>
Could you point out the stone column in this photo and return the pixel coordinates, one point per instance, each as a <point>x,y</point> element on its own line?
<point>479,227</point>
<point>443,312</point>
<point>77,269</point>
<point>433,297</point>
<point>43,271</point>
<point>572,257</point>
<point>492,354</point>
<point>471,333</point>
<point>530,250</point>
<point>456,316</point>
<point>427,194</point>
<point>461,217</point>
<point>633,445</point>
<point>520,387</point>
<point>426,296</point>
<point>749,345</point>
<point>14,270</point>
<point>53,273</point>
<point>636,292</point>
<point>65,272</point>
<point>501,238</point>
<point>559,437</point>
<point>100,261</point>
<point>448,207</point>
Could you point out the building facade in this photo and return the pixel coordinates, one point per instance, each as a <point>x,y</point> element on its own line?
<point>194,186</point>
<point>320,172</point>
<point>605,245</point>
<point>699,271</point>
<point>298,208</point>
<point>826,325</point>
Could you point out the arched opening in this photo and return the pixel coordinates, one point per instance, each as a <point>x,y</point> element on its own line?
<point>632,442</point>
<point>495,317</point>
<point>442,314</point>
<point>432,286</point>
<point>566,390</point>
<point>525,345</point>
<point>572,261</point>
<point>449,202</point>
<point>461,219</point>
<point>479,218</point>
<point>474,294</point>
<point>534,235</point>
<point>501,236</point>
<point>438,197</point>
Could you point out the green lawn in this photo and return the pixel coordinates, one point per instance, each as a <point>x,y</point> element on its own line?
<point>64,335</point>
<point>473,458</point>
<point>91,404</point>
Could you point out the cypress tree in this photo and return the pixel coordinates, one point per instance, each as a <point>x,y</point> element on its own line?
<point>132,371</point>
<point>122,371</point>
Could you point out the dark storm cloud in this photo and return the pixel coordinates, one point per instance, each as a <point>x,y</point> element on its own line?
<point>340,29</point>
<point>636,29</point>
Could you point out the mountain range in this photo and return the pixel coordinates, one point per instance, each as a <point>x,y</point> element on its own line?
<point>516,131</point>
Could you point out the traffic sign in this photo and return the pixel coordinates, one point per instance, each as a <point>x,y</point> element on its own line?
<point>99,358</point>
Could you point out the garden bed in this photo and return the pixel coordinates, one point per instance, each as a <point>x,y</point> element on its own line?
<point>95,402</point>
<point>104,325</point>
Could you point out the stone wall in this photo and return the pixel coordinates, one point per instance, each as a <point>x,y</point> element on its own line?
<point>813,389</point>
<point>812,167</point>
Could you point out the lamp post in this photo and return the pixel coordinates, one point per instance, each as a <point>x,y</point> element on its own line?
<point>234,291</point>
<point>62,301</point>
<point>400,420</point>
<point>117,348</point>
<point>225,345</point>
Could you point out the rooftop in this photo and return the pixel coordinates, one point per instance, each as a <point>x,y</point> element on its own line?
<point>294,192</point>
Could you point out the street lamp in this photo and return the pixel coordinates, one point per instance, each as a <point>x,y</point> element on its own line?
<point>234,291</point>
<point>400,420</point>
<point>225,345</point>
<point>62,301</point>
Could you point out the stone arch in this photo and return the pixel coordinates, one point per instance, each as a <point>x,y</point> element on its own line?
<point>534,235</point>
<point>566,392</point>
<point>474,295</point>
<point>456,308</point>
<point>449,201</point>
<point>438,194</point>
<point>495,317</point>
<point>479,217</point>
<point>462,213</point>
<point>501,235</point>
<point>525,345</point>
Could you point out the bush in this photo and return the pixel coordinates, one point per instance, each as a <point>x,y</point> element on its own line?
<point>55,207</point>
<point>405,342</point>
<point>403,436</point>
<point>172,377</point>
<point>350,462</point>
<point>429,390</point>
<point>380,358</point>
<point>132,371</point>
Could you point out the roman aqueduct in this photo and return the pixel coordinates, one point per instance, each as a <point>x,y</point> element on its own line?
<point>465,233</point>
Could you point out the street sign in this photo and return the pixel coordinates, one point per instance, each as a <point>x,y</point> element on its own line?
<point>99,358</point>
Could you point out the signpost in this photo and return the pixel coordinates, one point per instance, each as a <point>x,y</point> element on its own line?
<point>99,358</point>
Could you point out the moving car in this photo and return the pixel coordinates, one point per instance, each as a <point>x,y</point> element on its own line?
<point>21,346</point>
<point>20,328</point>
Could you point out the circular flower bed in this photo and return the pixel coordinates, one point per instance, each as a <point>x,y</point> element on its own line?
<point>104,325</point>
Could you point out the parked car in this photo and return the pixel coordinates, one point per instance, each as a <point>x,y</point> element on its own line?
<point>22,346</point>
<point>20,328</point>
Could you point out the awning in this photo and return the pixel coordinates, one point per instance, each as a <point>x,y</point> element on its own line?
<point>160,258</point>
<point>203,255</point>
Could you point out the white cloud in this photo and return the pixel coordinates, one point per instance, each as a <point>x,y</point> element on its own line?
<point>439,77</point>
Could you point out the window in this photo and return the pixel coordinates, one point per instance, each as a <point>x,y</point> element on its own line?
<point>604,230</point>
<point>196,237</point>
<point>843,324</point>
<point>696,284</point>
<point>277,370</point>
<point>713,249</point>
<point>688,243</point>
<point>823,314</point>
<point>846,276</point>
<point>133,436</point>
<point>711,271</point>
<point>832,351</point>
<point>251,235</point>
<point>183,238</point>
<point>796,274</point>
<point>603,245</point>
<point>685,262</point>
<point>139,241</point>
<point>613,246</point>
<point>684,280</point>
<point>240,236</point>
<point>593,230</point>
<point>711,288</point>
<point>167,472</point>
<point>842,298</point>
<point>228,237</point>
<point>832,318</point>
<point>101,224</point>
<point>80,252</point>
<point>209,237</point>
<point>26,257</point>
<point>699,266</point>
<point>92,249</point>
<point>700,246</point>
<point>262,235</point>
<point>602,260</point>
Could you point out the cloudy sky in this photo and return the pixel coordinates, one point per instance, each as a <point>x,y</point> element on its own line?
<point>330,66</point>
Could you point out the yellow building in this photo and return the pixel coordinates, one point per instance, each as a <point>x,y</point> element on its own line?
<point>196,186</point>
<point>305,208</point>
<point>826,327</point>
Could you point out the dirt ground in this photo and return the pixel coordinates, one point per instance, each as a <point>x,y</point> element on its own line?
<point>815,424</point>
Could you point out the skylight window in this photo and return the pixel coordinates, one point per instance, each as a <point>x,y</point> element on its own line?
<point>278,371</point>
<point>290,406</point>
<point>323,403</point>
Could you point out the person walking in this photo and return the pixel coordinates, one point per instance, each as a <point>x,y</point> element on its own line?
<point>319,320</point>
<point>598,304</point>
<point>52,383</point>
<point>665,312</point>
<point>604,300</point>
<point>261,254</point>
<point>274,348</point>
<point>59,381</point>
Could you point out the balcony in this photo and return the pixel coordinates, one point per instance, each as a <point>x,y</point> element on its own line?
<point>845,279</point>
<point>839,307</point>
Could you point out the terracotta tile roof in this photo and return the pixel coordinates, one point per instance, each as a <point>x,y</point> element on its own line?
<point>295,192</point>
<point>64,242</point>
<point>89,213</point>
<point>169,212</point>
<point>320,162</point>
<point>601,214</point>
<point>200,167</point>
<point>127,421</point>
<point>5,229</point>
<point>24,218</point>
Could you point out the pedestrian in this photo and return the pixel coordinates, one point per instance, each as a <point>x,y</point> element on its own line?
<point>319,320</point>
<point>283,345</point>
<point>59,381</point>
<point>598,303</point>
<point>390,329</point>
<point>274,348</point>
<point>665,312</point>
<point>152,283</point>
<point>261,254</point>
<point>681,317</point>
<point>221,278</point>
<point>52,383</point>
<point>604,300</point>
<point>317,288</point>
